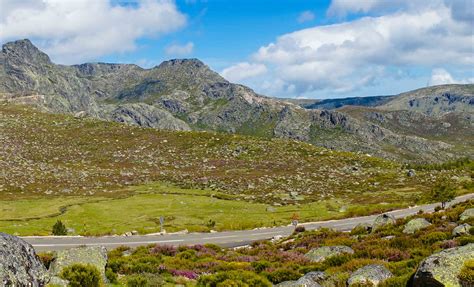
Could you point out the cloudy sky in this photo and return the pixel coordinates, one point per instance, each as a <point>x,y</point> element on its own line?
<point>284,48</point>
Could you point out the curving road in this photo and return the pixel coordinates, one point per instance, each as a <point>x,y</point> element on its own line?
<point>225,239</point>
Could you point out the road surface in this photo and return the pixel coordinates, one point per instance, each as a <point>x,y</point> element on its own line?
<point>225,239</point>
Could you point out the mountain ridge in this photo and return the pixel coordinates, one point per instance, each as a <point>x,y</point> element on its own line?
<point>185,94</point>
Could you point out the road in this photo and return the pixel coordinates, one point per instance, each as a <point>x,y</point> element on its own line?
<point>225,239</point>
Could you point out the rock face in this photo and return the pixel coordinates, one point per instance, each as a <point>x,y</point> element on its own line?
<point>442,269</point>
<point>383,220</point>
<point>184,94</point>
<point>19,265</point>
<point>311,279</point>
<point>468,213</point>
<point>322,253</point>
<point>462,229</point>
<point>373,274</point>
<point>96,256</point>
<point>415,224</point>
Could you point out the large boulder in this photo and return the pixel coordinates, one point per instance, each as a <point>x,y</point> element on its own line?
<point>19,265</point>
<point>443,268</point>
<point>311,279</point>
<point>322,253</point>
<point>94,255</point>
<point>382,220</point>
<point>415,224</point>
<point>468,213</point>
<point>370,274</point>
<point>462,229</point>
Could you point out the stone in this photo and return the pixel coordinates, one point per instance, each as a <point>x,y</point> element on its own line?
<point>58,282</point>
<point>19,265</point>
<point>443,268</point>
<point>271,209</point>
<point>134,232</point>
<point>93,255</point>
<point>383,220</point>
<point>415,224</point>
<point>80,115</point>
<point>311,279</point>
<point>462,229</point>
<point>373,274</point>
<point>411,173</point>
<point>322,253</point>
<point>468,213</point>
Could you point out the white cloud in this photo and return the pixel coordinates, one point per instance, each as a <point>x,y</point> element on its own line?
<point>342,8</point>
<point>82,30</point>
<point>180,50</point>
<point>345,57</point>
<point>244,70</point>
<point>440,76</point>
<point>305,16</point>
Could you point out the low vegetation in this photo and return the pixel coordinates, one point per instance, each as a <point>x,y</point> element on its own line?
<point>266,262</point>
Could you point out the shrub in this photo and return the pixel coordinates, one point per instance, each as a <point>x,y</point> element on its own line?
<point>80,275</point>
<point>464,240</point>
<point>337,260</point>
<point>59,228</point>
<point>466,276</point>
<point>260,266</point>
<point>137,281</point>
<point>238,278</point>
<point>433,237</point>
<point>399,281</point>
<point>111,276</point>
<point>281,275</point>
<point>437,208</point>
<point>166,250</point>
<point>46,258</point>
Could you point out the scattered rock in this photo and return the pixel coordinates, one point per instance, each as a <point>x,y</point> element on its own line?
<point>19,265</point>
<point>411,173</point>
<point>374,274</point>
<point>134,232</point>
<point>311,279</point>
<point>462,229</point>
<point>271,209</point>
<point>80,115</point>
<point>58,282</point>
<point>322,253</point>
<point>468,213</point>
<point>442,268</point>
<point>383,220</point>
<point>415,224</point>
<point>94,255</point>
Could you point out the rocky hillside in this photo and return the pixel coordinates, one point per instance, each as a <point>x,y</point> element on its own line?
<point>187,95</point>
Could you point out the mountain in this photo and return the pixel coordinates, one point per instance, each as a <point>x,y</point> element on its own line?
<point>185,94</point>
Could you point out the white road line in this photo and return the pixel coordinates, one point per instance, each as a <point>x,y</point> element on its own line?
<point>219,237</point>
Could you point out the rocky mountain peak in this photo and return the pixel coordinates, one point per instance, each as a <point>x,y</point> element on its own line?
<point>189,63</point>
<point>24,50</point>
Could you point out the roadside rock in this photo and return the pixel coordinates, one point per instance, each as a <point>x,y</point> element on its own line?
<point>468,213</point>
<point>311,279</point>
<point>382,220</point>
<point>415,224</point>
<point>19,265</point>
<point>373,274</point>
<point>96,256</point>
<point>322,253</point>
<point>442,268</point>
<point>462,229</point>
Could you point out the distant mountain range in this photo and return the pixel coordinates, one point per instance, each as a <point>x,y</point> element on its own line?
<point>430,124</point>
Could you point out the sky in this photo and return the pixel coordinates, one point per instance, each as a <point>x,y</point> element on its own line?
<point>281,48</point>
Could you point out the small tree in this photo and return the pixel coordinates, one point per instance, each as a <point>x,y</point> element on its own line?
<point>59,228</point>
<point>443,192</point>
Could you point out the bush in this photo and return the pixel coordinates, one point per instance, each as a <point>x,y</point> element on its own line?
<point>80,275</point>
<point>281,275</point>
<point>260,266</point>
<point>59,228</point>
<point>137,281</point>
<point>238,278</point>
<point>399,281</point>
<point>433,237</point>
<point>111,276</point>
<point>466,276</point>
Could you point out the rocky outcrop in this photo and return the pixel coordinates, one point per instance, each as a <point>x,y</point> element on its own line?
<point>372,274</point>
<point>415,224</point>
<point>468,213</point>
<point>322,253</point>
<point>95,256</point>
<point>19,265</point>
<point>311,279</point>
<point>383,220</point>
<point>462,229</point>
<point>442,268</point>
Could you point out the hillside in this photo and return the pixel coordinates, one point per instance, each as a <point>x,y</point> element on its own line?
<point>82,166</point>
<point>187,95</point>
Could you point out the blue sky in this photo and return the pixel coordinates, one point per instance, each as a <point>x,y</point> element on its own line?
<point>283,48</point>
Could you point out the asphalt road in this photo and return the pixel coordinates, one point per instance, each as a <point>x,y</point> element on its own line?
<point>225,239</point>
